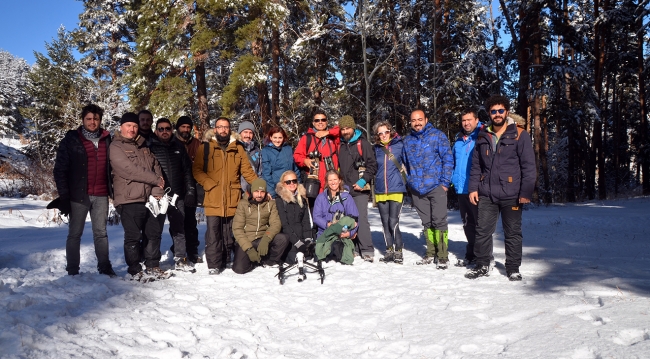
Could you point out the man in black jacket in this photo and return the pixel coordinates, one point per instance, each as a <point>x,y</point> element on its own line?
<point>358,165</point>
<point>177,173</point>
<point>82,176</point>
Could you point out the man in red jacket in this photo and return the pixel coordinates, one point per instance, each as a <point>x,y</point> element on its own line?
<point>82,176</point>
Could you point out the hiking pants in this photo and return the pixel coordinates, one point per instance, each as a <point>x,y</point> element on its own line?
<point>98,208</point>
<point>389,212</point>
<point>242,264</point>
<point>488,214</point>
<point>432,208</point>
<point>218,241</point>
<point>139,222</point>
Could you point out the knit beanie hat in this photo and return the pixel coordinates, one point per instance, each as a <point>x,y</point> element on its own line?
<point>129,117</point>
<point>246,125</point>
<point>184,120</point>
<point>347,122</point>
<point>258,184</point>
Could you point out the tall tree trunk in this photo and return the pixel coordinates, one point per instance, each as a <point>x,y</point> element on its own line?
<point>523,61</point>
<point>201,91</point>
<point>275,76</point>
<point>644,150</point>
<point>597,154</point>
<point>262,90</point>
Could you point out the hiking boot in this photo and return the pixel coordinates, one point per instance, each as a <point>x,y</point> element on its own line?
<point>368,258</point>
<point>137,277</point>
<point>182,264</point>
<point>465,262</point>
<point>399,259</point>
<point>158,273</point>
<point>214,271</point>
<point>389,256</point>
<point>108,271</point>
<point>442,263</point>
<point>196,259</point>
<point>73,272</point>
<point>426,260</point>
<point>514,276</point>
<point>478,271</point>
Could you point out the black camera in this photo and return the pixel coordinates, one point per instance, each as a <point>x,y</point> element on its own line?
<point>337,216</point>
<point>329,164</point>
<point>360,163</point>
<point>314,155</point>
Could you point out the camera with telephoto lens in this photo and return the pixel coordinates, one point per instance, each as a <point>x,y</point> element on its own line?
<point>329,164</point>
<point>314,155</point>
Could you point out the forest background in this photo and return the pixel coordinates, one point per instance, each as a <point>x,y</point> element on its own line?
<point>577,71</point>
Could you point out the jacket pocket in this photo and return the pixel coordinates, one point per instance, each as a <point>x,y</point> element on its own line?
<point>510,185</point>
<point>234,194</point>
<point>135,190</point>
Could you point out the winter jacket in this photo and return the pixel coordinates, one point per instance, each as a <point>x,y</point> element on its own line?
<point>222,181</point>
<point>254,157</point>
<point>326,206</point>
<point>503,169</point>
<point>389,178</point>
<point>429,162</point>
<point>135,170</point>
<point>255,220</point>
<point>294,213</point>
<point>191,146</point>
<point>77,174</point>
<point>349,156</point>
<point>275,161</point>
<point>176,166</point>
<point>462,151</point>
<point>326,146</point>
<point>332,234</point>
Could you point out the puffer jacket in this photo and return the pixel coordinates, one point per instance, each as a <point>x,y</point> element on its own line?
<point>135,170</point>
<point>191,145</point>
<point>429,162</point>
<point>275,161</point>
<point>462,150</point>
<point>175,164</point>
<point>222,181</point>
<point>389,178</point>
<point>349,156</point>
<point>72,172</point>
<point>294,213</point>
<point>254,157</point>
<point>326,206</point>
<point>326,146</point>
<point>255,220</point>
<point>503,169</point>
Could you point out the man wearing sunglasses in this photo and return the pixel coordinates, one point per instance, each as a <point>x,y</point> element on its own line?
<point>429,165</point>
<point>177,173</point>
<point>502,180</point>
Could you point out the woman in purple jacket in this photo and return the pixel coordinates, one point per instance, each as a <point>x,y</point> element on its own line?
<point>333,203</point>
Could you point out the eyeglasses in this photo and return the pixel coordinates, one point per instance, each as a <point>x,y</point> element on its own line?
<point>288,182</point>
<point>222,127</point>
<point>164,129</point>
<point>500,111</point>
<point>383,133</point>
<point>317,120</point>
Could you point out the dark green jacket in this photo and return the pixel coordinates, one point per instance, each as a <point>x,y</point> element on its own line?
<point>333,233</point>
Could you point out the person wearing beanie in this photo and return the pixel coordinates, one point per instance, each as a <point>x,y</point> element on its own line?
<point>246,135</point>
<point>184,126</point>
<point>82,175</point>
<point>145,121</point>
<point>358,166</point>
<point>256,228</point>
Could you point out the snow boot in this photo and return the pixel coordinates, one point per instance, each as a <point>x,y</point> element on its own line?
<point>398,259</point>
<point>442,243</point>
<point>478,271</point>
<point>389,256</point>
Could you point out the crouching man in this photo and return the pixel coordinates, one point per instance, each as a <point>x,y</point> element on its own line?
<point>256,227</point>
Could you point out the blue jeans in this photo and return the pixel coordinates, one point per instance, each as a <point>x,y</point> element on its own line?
<point>98,208</point>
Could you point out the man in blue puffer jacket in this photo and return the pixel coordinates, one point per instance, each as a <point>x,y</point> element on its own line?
<point>462,150</point>
<point>429,165</point>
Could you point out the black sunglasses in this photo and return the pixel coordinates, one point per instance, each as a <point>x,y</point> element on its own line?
<point>288,182</point>
<point>317,120</point>
<point>164,129</point>
<point>500,111</point>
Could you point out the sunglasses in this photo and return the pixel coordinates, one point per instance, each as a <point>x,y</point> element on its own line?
<point>500,111</point>
<point>317,120</point>
<point>164,129</point>
<point>383,133</point>
<point>288,182</point>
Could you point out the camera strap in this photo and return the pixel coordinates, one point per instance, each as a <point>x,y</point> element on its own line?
<point>397,165</point>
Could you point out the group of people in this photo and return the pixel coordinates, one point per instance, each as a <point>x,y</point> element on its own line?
<point>265,205</point>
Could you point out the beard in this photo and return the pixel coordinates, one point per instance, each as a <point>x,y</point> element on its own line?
<point>498,121</point>
<point>185,135</point>
<point>223,139</point>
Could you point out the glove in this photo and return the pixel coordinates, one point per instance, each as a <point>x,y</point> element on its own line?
<point>263,247</point>
<point>190,199</point>
<point>64,206</point>
<point>253,255</point>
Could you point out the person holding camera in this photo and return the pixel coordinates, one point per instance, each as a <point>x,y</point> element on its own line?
<point>358,166</point>
<point>293,209</point>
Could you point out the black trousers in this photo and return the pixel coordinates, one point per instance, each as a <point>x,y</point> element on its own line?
<point>389,212</point>
<point>139,222</point>
<point>242,264</point>
<point>469,215</point>
<point>176,216</point>
<point>488,214</point>
<point>191,232</point>
<point>218,241</point>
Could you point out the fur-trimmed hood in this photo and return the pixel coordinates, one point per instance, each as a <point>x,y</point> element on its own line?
<point>287,196</point>
<point>514,118</point>
<point>210,135</point>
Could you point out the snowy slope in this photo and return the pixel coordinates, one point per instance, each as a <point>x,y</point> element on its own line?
<point>585,294</point>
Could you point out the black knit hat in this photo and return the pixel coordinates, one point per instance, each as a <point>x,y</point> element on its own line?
<point>129,117</point>
<point>184,120</point>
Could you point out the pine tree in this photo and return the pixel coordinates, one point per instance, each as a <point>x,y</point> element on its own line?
<point>13,81</point>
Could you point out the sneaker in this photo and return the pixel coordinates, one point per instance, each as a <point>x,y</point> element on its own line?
<point>214,271</point>
<point>182,264</point>
<point>108,271</point>
<point>427,260</point>
<point>442,263</point>
<point>368,258</point>
<point>158,273</point>
<point>399,259</point>
<point>478,271</point>
<point>514,276</point>
<point>388,257</point>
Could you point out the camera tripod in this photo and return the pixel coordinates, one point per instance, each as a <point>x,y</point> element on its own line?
<point>300,264</point>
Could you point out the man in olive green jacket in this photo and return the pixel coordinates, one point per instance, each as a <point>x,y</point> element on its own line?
<point>256,228</point>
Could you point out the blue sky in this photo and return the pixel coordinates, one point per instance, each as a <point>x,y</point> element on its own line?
<point>25,25</point>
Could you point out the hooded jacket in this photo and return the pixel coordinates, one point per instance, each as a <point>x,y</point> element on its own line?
<point>294,213</point>
<point>326,146</point>
<point>176,166</point>
<point>191,145</point>
<point>135,170</point>
<point>325,207</point>
<point>503,169</point>
<point>330,235</point>
<point>275,161</point>
<point>222,181</point>
<point>462,150</point>
<point>429,162</point>
<point>349,156</point>
<point>254,157</point>
<point>389,178</point>
<point>255,220</point>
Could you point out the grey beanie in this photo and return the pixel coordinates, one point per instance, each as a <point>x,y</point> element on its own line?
<point>246,125</point>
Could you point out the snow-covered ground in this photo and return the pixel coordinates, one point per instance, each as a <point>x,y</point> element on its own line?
<point>585,294</point>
